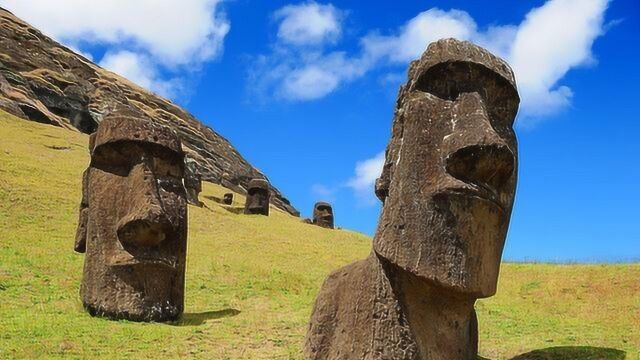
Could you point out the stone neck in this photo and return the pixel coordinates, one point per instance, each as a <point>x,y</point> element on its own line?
<point>442,322</point>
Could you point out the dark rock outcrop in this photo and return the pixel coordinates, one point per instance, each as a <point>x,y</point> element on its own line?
<point>44,81</point>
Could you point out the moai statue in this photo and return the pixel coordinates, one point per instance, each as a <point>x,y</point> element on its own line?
<point>192,181</point>
<point>451,176</point>
<point>323,215</point>
<point>133,222</point>
<point>257,197</point>
<point>227,199</point>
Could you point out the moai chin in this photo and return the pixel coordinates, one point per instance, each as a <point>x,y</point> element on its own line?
<point>323,215</point>
<point>257,197</point>
<point>133,222</point>
<point>192,181</point>
<point>447,186</point>
<point>227,199</point>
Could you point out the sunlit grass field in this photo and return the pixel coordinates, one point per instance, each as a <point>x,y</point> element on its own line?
<point>252,280</point>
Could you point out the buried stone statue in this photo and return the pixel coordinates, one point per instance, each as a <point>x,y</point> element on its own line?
<point>323,215</point>
<point>447,186</point>
<point>258,196</point>
<point>133,222</point>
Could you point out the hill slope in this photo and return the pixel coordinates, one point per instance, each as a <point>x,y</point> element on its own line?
<point>44,81</point>
<point>251,280</point>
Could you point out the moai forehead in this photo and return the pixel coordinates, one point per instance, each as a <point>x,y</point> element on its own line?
<point>451,67</point>
<point>123,128</point>
<point>323,205</point>
<point>258,184</point>
<point>451,51</point>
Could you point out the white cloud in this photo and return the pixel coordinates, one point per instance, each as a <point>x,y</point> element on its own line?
<point>165,35</point>
<point>176,31</point>
<point>309,23</point>
<point>417,33</point>
<point>366,173</point>
<point>140,70</point>
<point>551,40</point>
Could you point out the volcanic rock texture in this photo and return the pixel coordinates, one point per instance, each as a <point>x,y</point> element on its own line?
<point>43,81</point>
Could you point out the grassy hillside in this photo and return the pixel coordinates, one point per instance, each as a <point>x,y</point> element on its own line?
<point>251,280</point>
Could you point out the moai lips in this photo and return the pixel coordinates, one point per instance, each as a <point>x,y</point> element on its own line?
<point>133,222</point>
<point>323,215</point>
<point>257,197</point>
<point>447,186</point>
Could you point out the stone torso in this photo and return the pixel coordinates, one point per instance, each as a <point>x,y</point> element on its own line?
<point>360,314</point>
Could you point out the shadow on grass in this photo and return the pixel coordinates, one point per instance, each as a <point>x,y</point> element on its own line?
<point>195,319</point>
<point>234,210</point>
<point>571,353</point>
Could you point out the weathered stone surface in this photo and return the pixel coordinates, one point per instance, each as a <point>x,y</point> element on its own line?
<point>323,214</point>
<point>133,222</point>
<point>448,186</point>
<point>258,197</point>
<point>192,182</point>
<point>227,199</point>
<point>43,81</point>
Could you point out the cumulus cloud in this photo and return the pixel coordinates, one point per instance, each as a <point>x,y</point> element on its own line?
<point>309,23</point>
<point>417,33</point>
<point>366,173</point>
<point>164,34</point>
<point>552,39</point>
<point>139,69</point>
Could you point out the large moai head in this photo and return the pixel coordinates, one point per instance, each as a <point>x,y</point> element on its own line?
<point>134,222</point>
<point>449,178</point>
<point>257,197</point>
<point>323,215</point>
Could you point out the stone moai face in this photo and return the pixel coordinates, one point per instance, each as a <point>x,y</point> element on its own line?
<point>257,197</point>
<point>135,224</point>
<point>449,180</point>
<point>228,198</point>
<point>323,215</point>
<point>192,181</point>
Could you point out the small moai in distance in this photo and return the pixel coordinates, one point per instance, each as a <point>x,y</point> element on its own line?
<point>133,222</point>
<point>258,196</point>
<point>323,214</point>
<point>192,181</point>
<point>227,199</point>
<point>447,188</point>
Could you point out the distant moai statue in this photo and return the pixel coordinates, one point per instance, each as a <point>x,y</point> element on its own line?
<point>227,199</point>
<point>448,187</point>
<point>133,222</point>
<point>323,214</point>
<point>258,196</point>
<point>192,181</point>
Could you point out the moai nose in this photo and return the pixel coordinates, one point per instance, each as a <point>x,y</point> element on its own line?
<point>475,152</point>
<point>486,164</point>
<point>145,224</point>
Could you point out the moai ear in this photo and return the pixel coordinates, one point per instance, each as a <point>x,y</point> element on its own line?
<point>83,219</point>
<point>393,149</point>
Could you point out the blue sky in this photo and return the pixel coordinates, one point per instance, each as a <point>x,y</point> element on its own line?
<point>306,90</point>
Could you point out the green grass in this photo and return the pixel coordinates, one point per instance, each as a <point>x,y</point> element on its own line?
<point>251,280</point>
